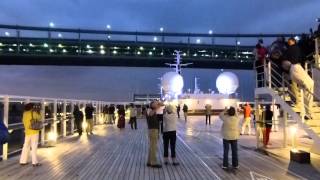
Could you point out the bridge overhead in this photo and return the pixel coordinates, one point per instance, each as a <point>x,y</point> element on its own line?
<point>24,45</point>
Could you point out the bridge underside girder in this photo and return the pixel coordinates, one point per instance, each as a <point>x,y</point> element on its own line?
<point>117,61</point>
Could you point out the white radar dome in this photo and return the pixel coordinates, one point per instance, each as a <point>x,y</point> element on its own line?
<point>227,83</point>
<point>172,83</point>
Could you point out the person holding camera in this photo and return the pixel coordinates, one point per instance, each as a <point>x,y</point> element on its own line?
<point>230,133</point>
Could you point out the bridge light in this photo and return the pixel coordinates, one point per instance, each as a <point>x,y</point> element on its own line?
<point>60,46</point>
<point>109,37</point>
<point>141,48</point>
<point>150,53</point>
<point>7,33</point>
<point>198,41</point>
<point>88,46</point>
<point>101,47</point>
<point>45,45</point>
<point>102,51</point>
<point>108,26</point>
<point>1,44</point>
<point>59,35</point>
<point>10,50</point>
<point>184,54</point>
<point>64,51</point>
<point>297,38</point>
<point>51,24</point>
<point>114,52</point>
<point>155,39</point>
<point>51,50</point>
<point>161,29</point>
<point>154,48</point>
<point>128,47</point>
<point>89,51</point>
<point>138,52</point>
<point>238,42</point>
<point>210,32</point>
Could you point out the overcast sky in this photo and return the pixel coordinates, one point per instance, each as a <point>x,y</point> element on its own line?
<point>223,16</point>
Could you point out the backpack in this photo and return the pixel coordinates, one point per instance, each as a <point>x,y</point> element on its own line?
<point>4,133</point>
<point>36,124</point>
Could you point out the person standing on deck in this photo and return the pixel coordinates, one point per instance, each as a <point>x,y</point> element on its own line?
<point>89,118</point>
<point>208,113</point>
<point>133,116</point>
<point>121,117</point>
<point>230,134</point>
<point>169,134</point>
<point>78,119</point>
<point>247,119</point>
<point>153,127</point>
<point>185,112</point>
<point>268,115</point>
<point>111,112</point>
<point>31,135</point>
<point>178,110</point>
<point>160,116</point>
<point>105,114</point>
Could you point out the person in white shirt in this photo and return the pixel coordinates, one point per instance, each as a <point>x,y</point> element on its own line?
<point>133,116</point>
<point>169,134</point>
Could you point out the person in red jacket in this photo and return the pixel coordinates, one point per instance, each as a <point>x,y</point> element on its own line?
<point>260,53</point>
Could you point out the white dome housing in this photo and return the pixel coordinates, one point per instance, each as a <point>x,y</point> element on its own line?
<point>172,83</point>
<point>227,83</point>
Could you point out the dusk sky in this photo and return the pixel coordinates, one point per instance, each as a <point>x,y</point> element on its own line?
<point>222,16</point>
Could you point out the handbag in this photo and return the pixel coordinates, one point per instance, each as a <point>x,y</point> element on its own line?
<point>36,124</point>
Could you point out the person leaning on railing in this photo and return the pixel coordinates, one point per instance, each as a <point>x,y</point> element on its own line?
<point>300,78</point>
<point>31,113</point>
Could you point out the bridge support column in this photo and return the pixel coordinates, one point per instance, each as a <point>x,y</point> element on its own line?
<point>6,123</point>
<point>43,117</point>
<point>72,118</point>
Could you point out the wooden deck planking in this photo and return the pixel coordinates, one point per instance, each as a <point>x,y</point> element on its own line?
<point>122,154</point>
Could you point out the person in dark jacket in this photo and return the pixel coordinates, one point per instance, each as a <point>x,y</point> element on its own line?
<point>89,118</point>
<point>185,112</point>
<point>153,127</point>
<point>111,115</point>
<point>121,117</point>
<point>78,119</point>
<point>268,115</point>
<point>178,110</point>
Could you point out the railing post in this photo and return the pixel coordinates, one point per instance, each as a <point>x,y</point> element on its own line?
<point>257,119</point>
<point>6,123</point>
<point>54,123</point>
<point>43,117</point>
<point>269,74</point>
<point>303,113</point>
<point>317,56</point>
<point>64,119</point>
<point>284,125</point>
<point>72,118</point>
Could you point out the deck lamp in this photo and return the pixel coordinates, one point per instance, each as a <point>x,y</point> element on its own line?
<point>295,154</point>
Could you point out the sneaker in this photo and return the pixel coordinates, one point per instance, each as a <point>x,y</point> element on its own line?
<point>175,164</point>
<point>37,164</point>
<point>224,167</point>
<point>236,167</point>
<point>156,166</point>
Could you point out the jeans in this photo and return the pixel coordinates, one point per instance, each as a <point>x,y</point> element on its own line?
<point>133,122</point>
<point>234,149</point>
<point>169,137</point>
<point>208,117</point>
<point>246,123</point>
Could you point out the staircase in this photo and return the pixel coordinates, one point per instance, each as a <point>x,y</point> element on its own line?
<point>283,96</point>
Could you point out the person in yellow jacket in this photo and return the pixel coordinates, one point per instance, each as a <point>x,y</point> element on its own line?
<point>31,136</point>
